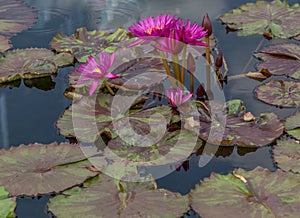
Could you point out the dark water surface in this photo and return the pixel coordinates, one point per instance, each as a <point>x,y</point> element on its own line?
<point>28,114</point>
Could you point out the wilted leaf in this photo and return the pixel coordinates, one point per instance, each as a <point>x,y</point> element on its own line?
<point>4,44</point>
<point>261,75</point>
<point>87,43</point>
<point>89,118</point>
<point>292,125</point>
<point>256,193</point>
<point>274,19</point>
<point>102,199</point>
<point>7,205</point>
<point>39,169</point>
<point>287,155</point>
<point>226,126</point>
<point>30,63</point>
<point>280,93</point>
<point>282,59</point>
<point>15,17</point>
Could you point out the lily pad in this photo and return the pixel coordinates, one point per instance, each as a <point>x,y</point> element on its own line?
<point>292,125</point>
<point>256,193</point>
<point>151,153</point>
<point>88,118</point>
<point>31,63</point>
<point>228,121</point>
<point>273,19</point>
<point>15,17</point>
<point>282,59</point>
<point>38,169</point>
<point>287,155</point>
<point>86,43</point>
<point>4,44</point>
<point>103,198</point>
<point>7,205</point>
<point>135,71</point>
<point>280,93</point>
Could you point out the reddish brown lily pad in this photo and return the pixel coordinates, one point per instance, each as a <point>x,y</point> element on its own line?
<point>280,93</point>
<point>4,44</point>
<point>31,63</point>
<point>292,125</point>
<point>88,118</point>
<point>88,43</point>
<point>15,17</point>
<point>282,59</point>
<point>273,19</point>
<point>226,126</point>
<point>287,155</point>
<point>103,198</point>
<point>256,193</point>
<point>38,169</point>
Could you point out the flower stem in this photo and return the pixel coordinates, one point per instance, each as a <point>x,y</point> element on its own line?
<point>108,87</point>
<point>207,50</point>
<point>176,68</point>
<point>183,63</point>
<point>167,67</point>
<point>191,83</point>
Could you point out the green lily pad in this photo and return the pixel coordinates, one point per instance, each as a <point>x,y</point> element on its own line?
<point>31,63</point>
<point>282,59</point>
<point>280,93</point>
<point>7,205</point>
<point>15,17</point>
<point>228,122</point>
<point>103,198</point>
<point>4,44</point>
<point>38,169</point>
<point>88,118</point>
<point>256,193</point>
<point>87,43</point>
<point>292,125</point>
<point>287,155</point>
<point>273,19</point>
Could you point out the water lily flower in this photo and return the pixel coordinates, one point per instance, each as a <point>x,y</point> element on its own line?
<point>96,69</point>
<point>176,97</point>
<point>149,28</point>
<point>192,34</point>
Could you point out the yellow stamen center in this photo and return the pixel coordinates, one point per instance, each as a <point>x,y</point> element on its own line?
<point>97,70</point>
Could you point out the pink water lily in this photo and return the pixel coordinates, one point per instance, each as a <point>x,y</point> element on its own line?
<point>192,34</point>
<point>96,69</point>
<point>176,97</point>
<point>149,28</point>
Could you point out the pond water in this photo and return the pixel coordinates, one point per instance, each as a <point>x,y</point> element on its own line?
<point>29,110</point>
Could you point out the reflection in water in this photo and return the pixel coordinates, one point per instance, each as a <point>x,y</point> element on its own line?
<point>4,143</point>
<point>118,13</point>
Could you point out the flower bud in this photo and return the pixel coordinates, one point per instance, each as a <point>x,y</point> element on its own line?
<point>207,24</point>
<point>191,66</point>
